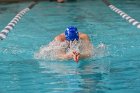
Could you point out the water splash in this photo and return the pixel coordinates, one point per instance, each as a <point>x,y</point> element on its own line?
<point>100,51</point>
<point>55,48</point>
<point>50,51</point>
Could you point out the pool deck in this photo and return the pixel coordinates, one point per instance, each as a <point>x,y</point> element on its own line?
<point>8,1</point>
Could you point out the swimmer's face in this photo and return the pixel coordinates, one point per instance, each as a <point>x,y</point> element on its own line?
<point>73,45</point>
<point>72,42</point>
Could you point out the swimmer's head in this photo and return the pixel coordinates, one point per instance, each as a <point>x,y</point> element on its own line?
<point>71,33</point>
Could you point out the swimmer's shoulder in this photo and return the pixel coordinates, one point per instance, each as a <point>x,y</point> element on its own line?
<point>60,37</point>
<point>83,36</point>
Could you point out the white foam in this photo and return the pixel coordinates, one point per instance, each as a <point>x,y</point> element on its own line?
<point>51,51</point>
<point>100,50</point>
<point>54,49</point>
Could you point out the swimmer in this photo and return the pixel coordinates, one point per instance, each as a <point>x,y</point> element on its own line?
<point>73,37</point>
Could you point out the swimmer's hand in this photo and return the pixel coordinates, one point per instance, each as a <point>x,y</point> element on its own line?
<point>76,56</point>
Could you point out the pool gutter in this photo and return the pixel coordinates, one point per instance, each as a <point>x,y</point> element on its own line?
<point>12,1</point>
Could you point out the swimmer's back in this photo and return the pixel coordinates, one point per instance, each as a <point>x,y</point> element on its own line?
<point>62,38</point>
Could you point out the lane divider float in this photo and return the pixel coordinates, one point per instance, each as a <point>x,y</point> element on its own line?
<point>14,21</point>
<point>123,14</point>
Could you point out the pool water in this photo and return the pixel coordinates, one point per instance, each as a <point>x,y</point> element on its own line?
<point>116,71</point>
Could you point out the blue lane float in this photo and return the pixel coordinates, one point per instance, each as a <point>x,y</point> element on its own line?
<point>123,14</point>
<point>14,21</point>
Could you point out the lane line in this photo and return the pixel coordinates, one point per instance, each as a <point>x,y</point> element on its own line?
<point>15,20</point>
<point>123,14</point>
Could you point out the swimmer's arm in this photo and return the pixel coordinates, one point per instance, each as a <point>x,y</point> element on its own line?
<point>88,50</point>
<point>65,56</point>
<point>85,55</point>
<point>61,54</point>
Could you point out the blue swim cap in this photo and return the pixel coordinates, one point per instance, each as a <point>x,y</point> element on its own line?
<point>71,33</point>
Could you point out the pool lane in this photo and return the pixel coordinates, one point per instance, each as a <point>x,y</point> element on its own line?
<point>116,72</point>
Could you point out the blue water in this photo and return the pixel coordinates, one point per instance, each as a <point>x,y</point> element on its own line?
<point>116,72</point>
